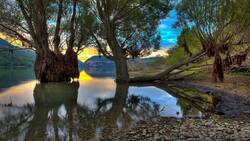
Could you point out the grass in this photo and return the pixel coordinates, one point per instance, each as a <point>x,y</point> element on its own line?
<point>240,73</point>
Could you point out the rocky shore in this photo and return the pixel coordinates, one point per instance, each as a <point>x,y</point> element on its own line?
<point>230,123</point>
<point>189,129</point>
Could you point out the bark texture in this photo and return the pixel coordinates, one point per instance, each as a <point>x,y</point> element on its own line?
<point>121,68</point>
<point>55,69</point>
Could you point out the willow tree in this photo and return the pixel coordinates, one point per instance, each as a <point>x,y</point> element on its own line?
<point>220,25</point>
<point>121,28</point>
<point>49,27</point>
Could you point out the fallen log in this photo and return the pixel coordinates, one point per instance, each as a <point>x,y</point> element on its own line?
<point>165,73</point>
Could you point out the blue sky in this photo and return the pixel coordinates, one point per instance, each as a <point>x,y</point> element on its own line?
<point>168,34</point>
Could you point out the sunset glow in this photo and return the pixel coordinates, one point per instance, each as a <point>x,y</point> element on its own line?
<point>87,53</point>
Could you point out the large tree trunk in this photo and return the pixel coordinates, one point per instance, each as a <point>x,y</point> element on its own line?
<point>120,60</point>
<point>121,68</point>
<point>51,68</point>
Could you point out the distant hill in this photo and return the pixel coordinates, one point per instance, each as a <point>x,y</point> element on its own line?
<point>4,44</point>
<point>99,66</point>
<point>19,58</point>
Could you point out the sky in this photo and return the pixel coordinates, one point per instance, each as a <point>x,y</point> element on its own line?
<point>168,34</point>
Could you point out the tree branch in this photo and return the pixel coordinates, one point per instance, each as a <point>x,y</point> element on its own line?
<point>162,75</point>
<point>72,28</point>
<point>56,39</point>
<point>22,38</point>
<point>104,53</point>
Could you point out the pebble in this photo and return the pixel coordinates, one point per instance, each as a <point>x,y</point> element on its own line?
<point>167,129</point>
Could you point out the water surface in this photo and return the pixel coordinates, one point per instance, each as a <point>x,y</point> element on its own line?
<point>84,110</point>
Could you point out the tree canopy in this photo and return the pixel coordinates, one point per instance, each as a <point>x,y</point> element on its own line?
<point>133,24</point>
<point>122,28</point>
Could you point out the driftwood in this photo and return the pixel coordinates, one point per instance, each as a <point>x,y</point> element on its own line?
<point>187,68</point>
<point>163,75</point>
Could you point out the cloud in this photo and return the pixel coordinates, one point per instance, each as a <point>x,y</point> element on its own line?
<point>168,33</point>
<point>163,26</point>
<point>172,41</point>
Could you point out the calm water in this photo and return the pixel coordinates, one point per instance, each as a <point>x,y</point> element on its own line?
<point>84,110</point>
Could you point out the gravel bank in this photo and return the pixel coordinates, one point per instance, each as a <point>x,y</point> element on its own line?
<point>167,129</point>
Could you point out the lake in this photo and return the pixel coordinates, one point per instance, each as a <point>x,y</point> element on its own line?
<point>85,110</point>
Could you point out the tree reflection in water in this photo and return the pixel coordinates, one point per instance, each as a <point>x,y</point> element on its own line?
<point>56,114</point>
<point>192,103</point>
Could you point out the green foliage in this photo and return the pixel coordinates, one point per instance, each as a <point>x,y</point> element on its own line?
<point>241,73</point>
<point>219,20</point>
<point>188,40</point>
<point>179,53</point>
<point>176,54</point>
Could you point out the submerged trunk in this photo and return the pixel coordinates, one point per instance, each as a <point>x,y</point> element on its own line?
<point>51,68</point>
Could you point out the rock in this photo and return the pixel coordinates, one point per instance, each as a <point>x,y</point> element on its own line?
<point>247,112</point>
<point>144,132</point>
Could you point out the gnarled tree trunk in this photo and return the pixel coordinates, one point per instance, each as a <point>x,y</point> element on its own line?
<point>52,68</point>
